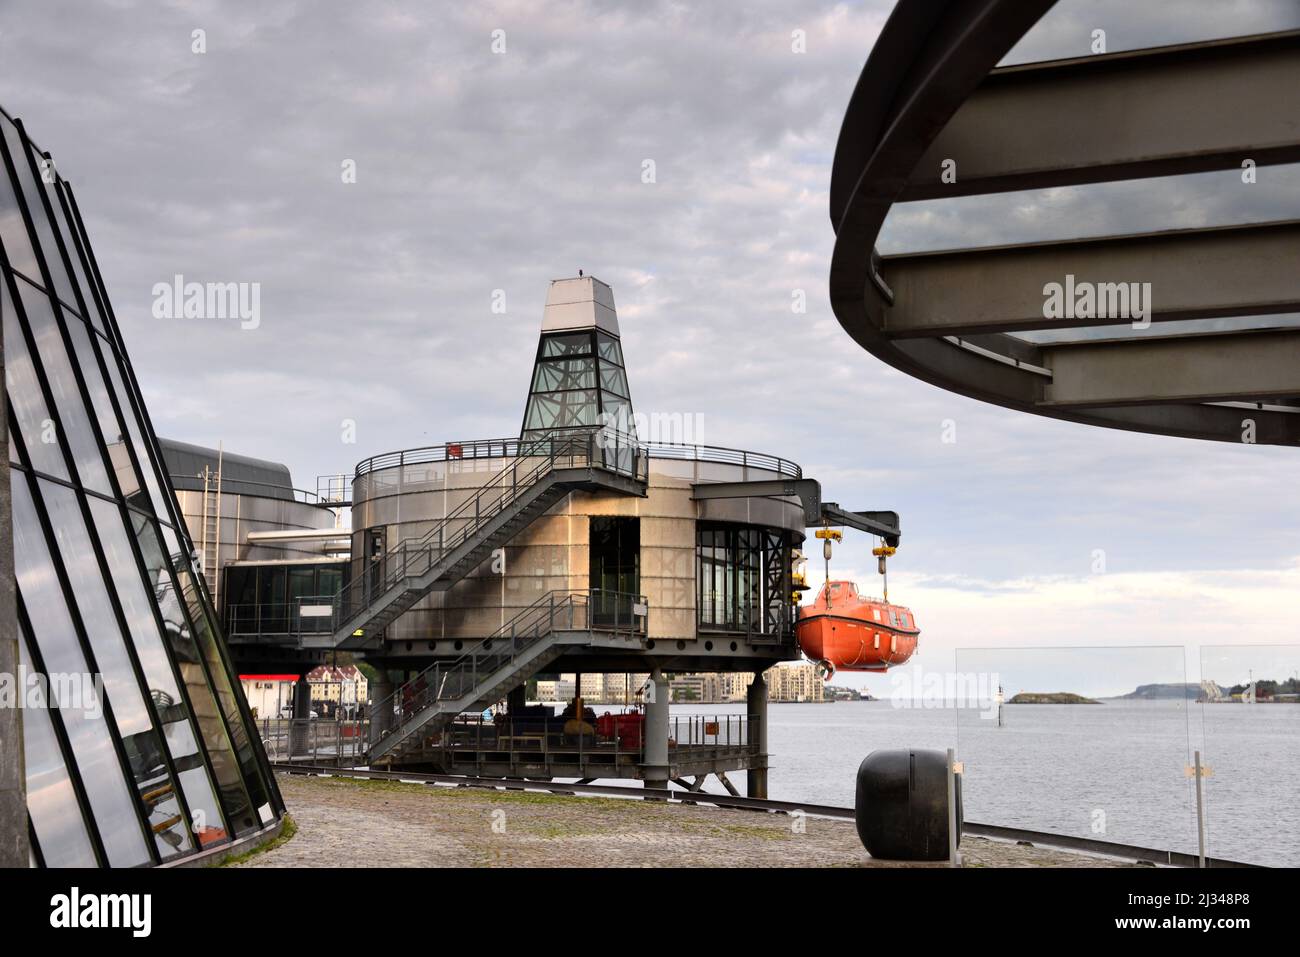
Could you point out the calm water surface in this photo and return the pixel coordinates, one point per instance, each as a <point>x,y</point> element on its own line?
<point>1114,771</point>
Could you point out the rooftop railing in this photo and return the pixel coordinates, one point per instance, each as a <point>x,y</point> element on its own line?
<point>510,448</point>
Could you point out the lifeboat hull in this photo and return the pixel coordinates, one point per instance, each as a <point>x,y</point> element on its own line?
<point>854,633</point>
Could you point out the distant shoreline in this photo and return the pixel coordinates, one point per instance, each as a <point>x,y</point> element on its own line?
<point>1050,697</point>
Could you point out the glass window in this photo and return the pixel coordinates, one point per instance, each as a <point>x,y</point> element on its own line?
<point>205,635</point>
<point>578,344</point>
<point>561,410</point>
<point>613,379</point>
<point>13,229</point>
<point>109,429</point>
<point>139,738</point>
<point>51,799</point>
<point>133,430</point>
<point>557,376</point>
<point>96,611</point>
<point>610,350</point>
<point>26,400</point>
<point>60,650</point>
<point>731,579</point>
<point>44,231</point>
<point>185,651</point>
<point>73,416</point>
<point>147,640</point>
<point>62,225</point>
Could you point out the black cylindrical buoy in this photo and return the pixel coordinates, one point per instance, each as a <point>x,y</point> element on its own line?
<point>902,805</point>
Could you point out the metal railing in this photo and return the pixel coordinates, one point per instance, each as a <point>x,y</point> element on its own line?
<point>513,448</point>
<point>234,486</point>
<point>589,611</point>
<point>750,619</point>
<point>607,742</point>
<point>340,742</point>
<point>536,458</point>
<point>305,615</point>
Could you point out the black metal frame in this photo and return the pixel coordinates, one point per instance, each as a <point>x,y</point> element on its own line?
<point>124,399</point>
<point>597,360</point>
<point>768,560</point>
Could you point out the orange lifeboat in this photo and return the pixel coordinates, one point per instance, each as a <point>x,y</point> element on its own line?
<point>844,629</point>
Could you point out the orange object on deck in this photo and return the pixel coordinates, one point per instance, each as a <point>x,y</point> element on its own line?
<point>844,630</point>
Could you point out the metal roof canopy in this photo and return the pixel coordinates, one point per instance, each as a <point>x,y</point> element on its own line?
<point>931,90</point>
<point>816,513</point>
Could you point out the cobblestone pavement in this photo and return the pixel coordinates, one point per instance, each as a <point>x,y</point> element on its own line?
<point>344,823</point>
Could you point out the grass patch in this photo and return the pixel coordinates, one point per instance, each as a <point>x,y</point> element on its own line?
<point>287,830</point>
<point>489,795</point>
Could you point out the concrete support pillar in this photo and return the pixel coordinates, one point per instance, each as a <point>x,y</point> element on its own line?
<point>655,769</point>
<point>299,730</point>
<point>756,706</point>
<point>381,706</point>
<point>14,851</point>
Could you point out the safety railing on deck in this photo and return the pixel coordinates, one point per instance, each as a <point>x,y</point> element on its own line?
<point>306,615</point>
<point>317,740</point>
<point>412,557</point>
<point>597,741</point>
<point>513,448</point>
<point>577,611</point>
<point>750,619</point>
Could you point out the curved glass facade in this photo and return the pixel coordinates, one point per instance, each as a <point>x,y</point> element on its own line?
<point>138,745</point>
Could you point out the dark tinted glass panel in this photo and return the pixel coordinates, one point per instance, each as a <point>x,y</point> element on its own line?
<point>205,636</point>
<point>140,740</point>
<point>32,194</point>
<point>61,225</point>
<point>185,651</point>
<point>561,410</point>
<point>51,800</point>
<point>575,345</point>
<point>79,707</point>
<point>109,429</point>
<point>613,379</point>
<point>25,399</point>
<point>13,231</point>
<point>73,415</point>
<point>161,682</point>
<point>96,612</point>
<point>137,442</point>
<point>564,374</point>
<point>610,350</point>
<point>331,580</point>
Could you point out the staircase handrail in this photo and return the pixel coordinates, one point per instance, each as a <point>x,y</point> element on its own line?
<point>399,561</point>
<point>533,622</point>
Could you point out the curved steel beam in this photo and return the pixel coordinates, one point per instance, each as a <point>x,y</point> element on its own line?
<point>932,58</point>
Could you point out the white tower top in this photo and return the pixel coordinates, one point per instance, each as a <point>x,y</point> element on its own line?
<point>582,303</point>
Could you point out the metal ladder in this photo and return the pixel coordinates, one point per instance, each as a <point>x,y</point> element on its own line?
<point>210,545</point>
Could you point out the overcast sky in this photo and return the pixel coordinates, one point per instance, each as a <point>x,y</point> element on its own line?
<point>479,171</point>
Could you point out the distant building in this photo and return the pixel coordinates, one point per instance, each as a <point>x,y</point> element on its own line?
<point>794,681</point>
<point>337,690</point>
<point>268,695</point>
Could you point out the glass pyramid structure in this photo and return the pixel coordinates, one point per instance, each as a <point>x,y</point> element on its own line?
<point>134,744</point>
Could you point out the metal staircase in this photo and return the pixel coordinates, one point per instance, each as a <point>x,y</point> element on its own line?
<point>545,470</point>
<point>527,644</point>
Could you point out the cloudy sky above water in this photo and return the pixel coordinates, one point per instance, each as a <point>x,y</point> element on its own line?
<point>479,171</point>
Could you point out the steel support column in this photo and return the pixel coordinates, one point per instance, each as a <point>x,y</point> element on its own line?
<point>299,728</point>
<point>756,705</point>
<point>656,770</point>
<point>381,706</point>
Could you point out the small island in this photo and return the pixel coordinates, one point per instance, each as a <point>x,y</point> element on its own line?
<point>1054,697</point>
